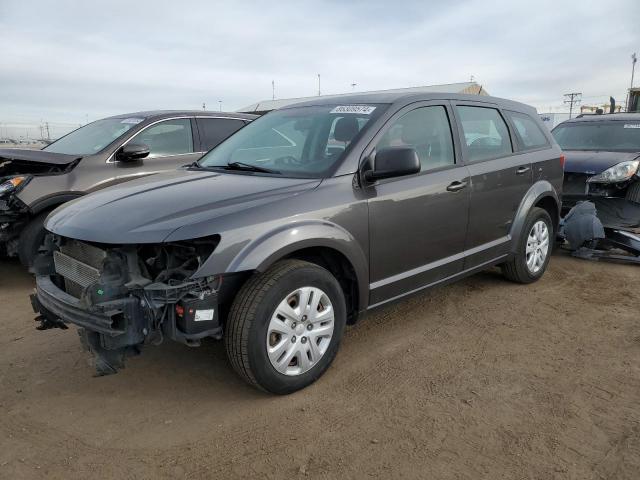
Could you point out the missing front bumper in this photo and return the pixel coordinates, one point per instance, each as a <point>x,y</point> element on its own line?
<point>114,329</point>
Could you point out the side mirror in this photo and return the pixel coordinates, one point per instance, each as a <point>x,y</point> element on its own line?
<point>393,162</point>
<point>132,152</point>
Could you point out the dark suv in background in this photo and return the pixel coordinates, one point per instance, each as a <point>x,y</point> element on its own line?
<point>299,224</point>
<point>603,157</point>
<point>97,155</point>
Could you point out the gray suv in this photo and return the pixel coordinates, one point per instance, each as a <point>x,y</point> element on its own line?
<point>102,153</point>
<point>301,223</point>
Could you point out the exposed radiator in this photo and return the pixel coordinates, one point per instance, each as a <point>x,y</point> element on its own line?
<point>79,264</point>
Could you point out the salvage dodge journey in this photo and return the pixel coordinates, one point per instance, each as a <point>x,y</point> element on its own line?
<point>298,225</point>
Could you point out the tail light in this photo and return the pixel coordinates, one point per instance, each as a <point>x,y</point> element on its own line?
<point>562,158</point>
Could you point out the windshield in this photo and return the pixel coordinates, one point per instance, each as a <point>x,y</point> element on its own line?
<point>303,142</point>
<point>93,137</point>
<point>611,136</point>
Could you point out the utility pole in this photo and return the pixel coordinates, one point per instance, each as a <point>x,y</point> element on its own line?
<point>204,106</point>
<point>353,85</point>
<point>273,89</point>
<point>318,84</point>
<point>572,99</point>
<point>220,104</point>
<point>634,59</point>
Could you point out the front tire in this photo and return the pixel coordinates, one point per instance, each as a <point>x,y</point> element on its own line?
<point>285,326</point>
<point>533,250</point>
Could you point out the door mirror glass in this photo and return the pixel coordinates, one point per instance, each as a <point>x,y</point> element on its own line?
<point>393,162</point>
<point>132,152</point>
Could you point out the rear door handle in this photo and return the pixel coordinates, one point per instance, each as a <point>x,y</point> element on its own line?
<point>522,170</point>
<point>456,186</point>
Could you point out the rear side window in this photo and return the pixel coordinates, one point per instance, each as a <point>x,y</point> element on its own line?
<point>485,133</point>
<point>427,130</point>
<point>528,132</point>
<point>214,130</point>
<point>171,137</point>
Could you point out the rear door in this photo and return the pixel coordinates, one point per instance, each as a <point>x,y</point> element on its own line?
<point>418,223</point>
<point>215,130</point>
<point>499,179</point>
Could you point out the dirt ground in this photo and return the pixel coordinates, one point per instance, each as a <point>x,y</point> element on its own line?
<point>481,379</point>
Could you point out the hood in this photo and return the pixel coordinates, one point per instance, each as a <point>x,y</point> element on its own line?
<point>148,210</point>
<point>15,161</point>
<point>594,162</point>
<point>37,156</point>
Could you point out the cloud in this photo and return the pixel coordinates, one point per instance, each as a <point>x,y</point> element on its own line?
<point>64,60</point>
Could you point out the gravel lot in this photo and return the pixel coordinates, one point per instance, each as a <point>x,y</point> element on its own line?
<point>481,379</point>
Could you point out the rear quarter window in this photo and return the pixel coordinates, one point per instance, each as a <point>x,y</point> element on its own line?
<point>530,136</point>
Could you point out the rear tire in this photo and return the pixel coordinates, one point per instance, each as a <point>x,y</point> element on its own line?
<point>31,239</point>
<point>633,192</point>
<point>518,269</point>
<point>273,361</point>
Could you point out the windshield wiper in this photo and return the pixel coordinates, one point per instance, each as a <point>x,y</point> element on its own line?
<point>250,168</point>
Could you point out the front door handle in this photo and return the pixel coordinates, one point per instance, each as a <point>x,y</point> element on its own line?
<point>522,170</point>
<point>456,186</point>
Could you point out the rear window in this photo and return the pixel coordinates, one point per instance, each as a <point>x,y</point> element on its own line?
<point>485,133</point>
<point>214,130</point>
<point>528,132</point>
<point>610,136</point>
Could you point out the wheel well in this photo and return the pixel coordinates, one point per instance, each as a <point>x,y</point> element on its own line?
<point>340,267</point>
<point>550,205</point>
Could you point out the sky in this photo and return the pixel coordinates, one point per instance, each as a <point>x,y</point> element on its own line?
<point>69,62</point>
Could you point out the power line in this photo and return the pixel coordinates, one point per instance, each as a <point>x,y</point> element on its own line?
<point>572,99</point>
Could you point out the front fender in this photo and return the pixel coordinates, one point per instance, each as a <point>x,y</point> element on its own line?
<point>260,253</point>
<point>53,200</point>
<point>537,192</point>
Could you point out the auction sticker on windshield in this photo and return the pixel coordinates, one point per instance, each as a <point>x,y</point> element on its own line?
<point>133,121</point>
<point>361,109</point>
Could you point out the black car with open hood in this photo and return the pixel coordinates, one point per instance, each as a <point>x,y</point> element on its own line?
<point>602,157</point>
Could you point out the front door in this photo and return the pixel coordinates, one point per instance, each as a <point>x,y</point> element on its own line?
<point>171,144</point>
<point>418,223</point>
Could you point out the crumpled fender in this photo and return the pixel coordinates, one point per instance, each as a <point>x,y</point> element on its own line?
<point>268,248</point>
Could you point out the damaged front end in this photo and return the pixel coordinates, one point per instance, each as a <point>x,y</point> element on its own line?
<point>15,175</point>
<point>125,297</point>
<point>607,228</point>
<point>14,214</point>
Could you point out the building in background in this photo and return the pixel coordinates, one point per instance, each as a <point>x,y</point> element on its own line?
<point>634,100</point>
<point>265,106</point>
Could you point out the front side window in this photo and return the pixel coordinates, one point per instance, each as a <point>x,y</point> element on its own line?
<point>485,133</point>
<point>306,142</point>
<point>427,130</point>
<point>93,137</point>
<point>171,137</point>
<point>609,136</point>
<point>528,131</point>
